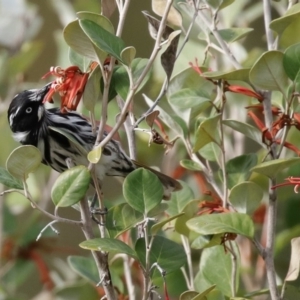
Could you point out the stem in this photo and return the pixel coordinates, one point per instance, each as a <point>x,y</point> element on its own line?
<point>234,269</point>
<point>267,20</point>
<point>272,207</point>
<point>128,277</point>
<point>140,79</point>
<point>100,257</point>
<point>165,84</point>
<point>223,158</point>
<point>219,39</point>
<point>187,249</point>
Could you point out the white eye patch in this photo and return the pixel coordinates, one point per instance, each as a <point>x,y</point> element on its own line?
<point>11,117</point>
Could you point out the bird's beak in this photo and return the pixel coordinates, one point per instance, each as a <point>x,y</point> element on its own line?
<point>44,91</point>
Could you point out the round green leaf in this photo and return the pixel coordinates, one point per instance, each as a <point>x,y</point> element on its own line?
<point>222,223</point>
<point>246,196</point>
<point>180,199</point>
<point>101,20</point>
<point>190,165</point>
<point>10,181</point>
<point>268,72</point>
<point>95,155</point>
<point>216,269</point>
<point>169,255</point>
<point>272,168</point>
<point>128,55</point>
<point>239,168</point>
<point>280,24</point>
<point>85,267</point>
<point>121,218</point>
<point>108,245</point>
<point>241,75</point>
<point>207,132</point>
<point>231,35</point>
<point>121,79</point>
<point>23,160</point>
<point>187,98</point>
<point>103,39</point>
<point>80,43</point>
<point>142,190</point>
<point>246,129</point>
<point>291,61</point>
<point>156,227</point>
<point>71,186</point>
<point>92,93</point>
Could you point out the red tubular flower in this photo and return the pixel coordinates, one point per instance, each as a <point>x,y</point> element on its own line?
<point>70,84</point>
<point>244,91</point>
<point>295,181</point>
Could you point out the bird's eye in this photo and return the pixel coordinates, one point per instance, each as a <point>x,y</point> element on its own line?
<point>29,109</point>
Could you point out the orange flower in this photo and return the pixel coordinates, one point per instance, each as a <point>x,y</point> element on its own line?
<point>244,91</point>
<point>70,84</point>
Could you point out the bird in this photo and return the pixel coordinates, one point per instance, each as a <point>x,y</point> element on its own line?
<point>63,137</point>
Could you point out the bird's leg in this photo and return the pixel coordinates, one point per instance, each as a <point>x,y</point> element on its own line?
<point>96,210</point>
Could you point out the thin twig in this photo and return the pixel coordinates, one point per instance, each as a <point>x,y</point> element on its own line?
<point>187,249</point>
<point>34,204</point>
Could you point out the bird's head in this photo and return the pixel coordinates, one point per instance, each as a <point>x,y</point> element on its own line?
<point>25,111</point>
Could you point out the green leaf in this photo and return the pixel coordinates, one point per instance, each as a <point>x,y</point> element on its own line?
<point>239,168</point>
<point>121,218</point>
<point>142,190</point>
<point>101,20</point>
<point>79,60</point>
<point>192,85</point>
<point>92,93</point>
<point>10,181</point>
<point>190,211</point>
<point>79,290</point>
<point>231,35</point>
<point>246,196</point>
<point>188,295</point>
<point>206,241</point>
<point>207,132</point>
<point>169,255</point>
<point>121,79</point>
<point>268,72</point>
<point>190,165</point>
<point>128,55</point>
<point>246,129</point>
<point>291,61</point>
<point>71,186</point>
<point>280,24</point>
<point>23,160</point>
<point>174,122</point>
<point>222,223</point>
<point>94,155</point>
<point>108,245</point>
<point>103,39</point>
<point>187,98</point>
<point>156,227</point>
<point>85,267</point>
<point>219,4</point>
<point>81,44</point>
<point>241,75</point>
<point>180,199</point>
<point>272,168</point>
<point>216,269</point>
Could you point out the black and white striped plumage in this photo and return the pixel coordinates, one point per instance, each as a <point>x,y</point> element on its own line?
<point>33,124</point>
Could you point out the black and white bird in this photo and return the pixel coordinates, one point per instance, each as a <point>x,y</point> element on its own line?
<point>33,124</point>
